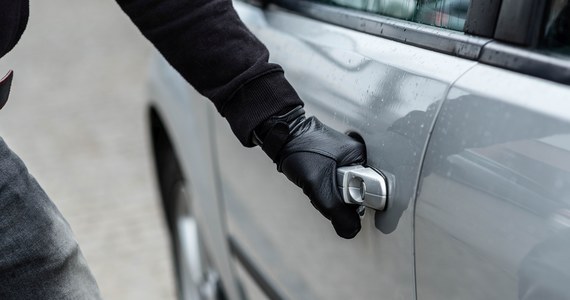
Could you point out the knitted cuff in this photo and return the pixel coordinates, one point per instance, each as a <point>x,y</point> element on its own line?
<point>256,101</point>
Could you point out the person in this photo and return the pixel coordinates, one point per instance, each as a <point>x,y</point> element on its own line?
<point>213,50</point>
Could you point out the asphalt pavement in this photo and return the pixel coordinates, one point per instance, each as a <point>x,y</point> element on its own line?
<point>76,116</point>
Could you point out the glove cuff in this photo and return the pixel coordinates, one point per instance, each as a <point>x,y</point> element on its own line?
<point>273,133</point>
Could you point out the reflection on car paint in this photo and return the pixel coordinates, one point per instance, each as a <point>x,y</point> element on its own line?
<point>494,201</point>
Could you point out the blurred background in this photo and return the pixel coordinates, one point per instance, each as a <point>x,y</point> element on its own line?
<point>76,117</point>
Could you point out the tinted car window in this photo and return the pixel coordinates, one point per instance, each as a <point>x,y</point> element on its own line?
<point>449,14</point>
<point>557,28</point>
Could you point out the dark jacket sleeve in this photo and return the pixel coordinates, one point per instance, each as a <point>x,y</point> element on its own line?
<point>213,50</point>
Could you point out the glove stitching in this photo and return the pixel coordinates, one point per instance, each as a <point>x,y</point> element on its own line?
<point>315,151</point>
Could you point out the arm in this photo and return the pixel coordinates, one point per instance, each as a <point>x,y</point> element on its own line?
<point>214,51</point>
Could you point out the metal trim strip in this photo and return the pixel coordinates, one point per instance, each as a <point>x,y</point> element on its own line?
<point>420,35</point>
<point>545,66</point>
<point>262,280</point>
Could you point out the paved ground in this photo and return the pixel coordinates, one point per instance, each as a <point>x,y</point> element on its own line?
<point>76,116</point>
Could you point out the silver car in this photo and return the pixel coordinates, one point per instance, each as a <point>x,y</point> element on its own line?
<point>464,109</point>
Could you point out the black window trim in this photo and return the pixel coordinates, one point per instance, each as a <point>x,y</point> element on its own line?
<point>482,17</point>
<point>518,50</point>
<point>520,22</point>
<point>506,54</point>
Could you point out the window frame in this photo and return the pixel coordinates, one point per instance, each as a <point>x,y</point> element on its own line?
<point>518,51</point>
<point>516,14</point>
<point>420,35</point>
<point>489,37</point>
<point>482,17</point>
<point>526,61</point>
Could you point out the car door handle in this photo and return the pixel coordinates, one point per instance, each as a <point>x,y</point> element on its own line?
<point>363,186</point>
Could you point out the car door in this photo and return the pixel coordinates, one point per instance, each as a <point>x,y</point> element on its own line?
<point>359,72</point>
<point>493,208</point>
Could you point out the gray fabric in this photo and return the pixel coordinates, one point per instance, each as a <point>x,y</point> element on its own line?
<point>39,257</point>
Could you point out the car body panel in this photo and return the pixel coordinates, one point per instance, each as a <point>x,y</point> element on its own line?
<point>186,115</point>
<point>492,217</point>
<point>354,82</point>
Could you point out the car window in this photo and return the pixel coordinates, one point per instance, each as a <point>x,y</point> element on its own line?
<point>449,14</point>
<point>557,28</point>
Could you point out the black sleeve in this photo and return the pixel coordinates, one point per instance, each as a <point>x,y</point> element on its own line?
<point>213,50</point>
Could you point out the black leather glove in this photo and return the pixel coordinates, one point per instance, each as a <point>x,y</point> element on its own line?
<point>308,153</point>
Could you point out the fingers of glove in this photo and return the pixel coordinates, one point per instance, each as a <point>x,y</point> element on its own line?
<point>327,200</point>
<point>346,221</point>
<point>316,175</point>
<point>316,137</point>
<point>355,153</point>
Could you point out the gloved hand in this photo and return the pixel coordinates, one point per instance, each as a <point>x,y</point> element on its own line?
<point>308,153</point>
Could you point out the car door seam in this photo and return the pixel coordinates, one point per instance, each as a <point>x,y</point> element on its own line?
<point>422,160</point>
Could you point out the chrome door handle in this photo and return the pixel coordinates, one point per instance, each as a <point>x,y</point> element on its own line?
<point>363,186</point>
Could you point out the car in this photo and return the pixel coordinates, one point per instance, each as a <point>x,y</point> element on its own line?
<point>467,134</point>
